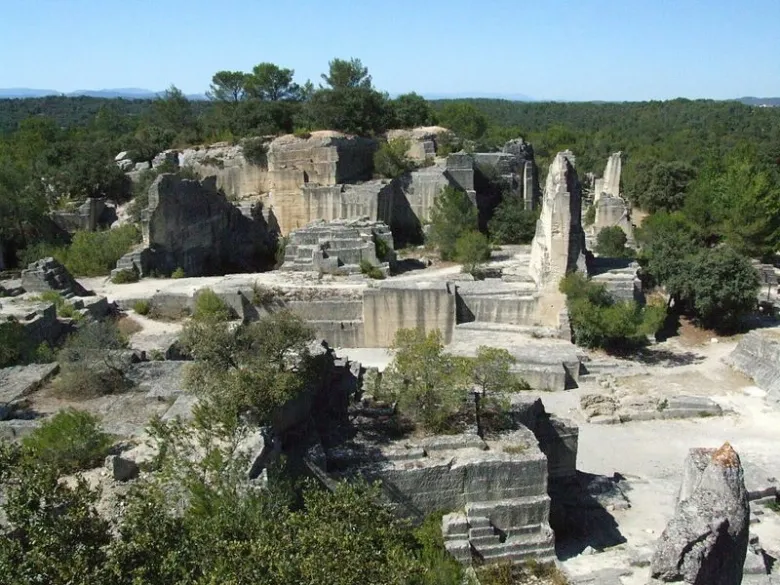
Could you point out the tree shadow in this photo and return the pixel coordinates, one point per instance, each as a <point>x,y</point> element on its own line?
<point>650,356</point>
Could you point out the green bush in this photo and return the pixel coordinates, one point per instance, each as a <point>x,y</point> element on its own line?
<point>71,441</point>
<point>178,273</point>
<point>142,307</point>
<point>472,249</point>
<point>14,344</point>
<point>371,270</point>
<point>390,159</point>
<point>598,321</point>
<point>89,253</point>
<point>125,276</point>
<point>453,214</point>
<point>611,243</point>
<point>256,151</point>
<point>382,249</point>
<point>512,223</point>
<point>441,568</point>
<point>590,216</point>
<point>209,307</point>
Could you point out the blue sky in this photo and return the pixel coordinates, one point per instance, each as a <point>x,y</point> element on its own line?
<point>547,49</point>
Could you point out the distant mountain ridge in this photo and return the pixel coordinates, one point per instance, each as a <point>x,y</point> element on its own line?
<point>756,101</point>
<point>131,93</point>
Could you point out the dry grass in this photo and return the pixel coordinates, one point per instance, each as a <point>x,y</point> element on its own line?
<point>515,449</point>
<point>128,326</point>
<point>529,573</point>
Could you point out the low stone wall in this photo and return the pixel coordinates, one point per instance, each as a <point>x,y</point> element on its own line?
<point>404,305</point>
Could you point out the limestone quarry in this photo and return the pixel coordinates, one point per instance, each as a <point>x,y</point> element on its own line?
<point>659,467</point>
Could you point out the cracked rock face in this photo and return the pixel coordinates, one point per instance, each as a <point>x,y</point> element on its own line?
<point>706,540</point>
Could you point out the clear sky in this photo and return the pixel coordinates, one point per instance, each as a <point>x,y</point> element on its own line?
<point>547,49</point>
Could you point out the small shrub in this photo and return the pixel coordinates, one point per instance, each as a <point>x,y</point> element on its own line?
<point>256,151</point>
<point>371,270</point>
<point>472,249</point>
<point>44,354</point>
<point>382,249</point>
<point>178,273</point>
<point>590,216</point>
<point>156,355</point>
<point>125,276</point>
<point>453,214</point>
<point>71,441</point>
<point>68,311</point>
<point>281,249</point>
<point>14,344</point>
<point>440,566</point>
<point>390,159</point>
<point>142,307</point>
<point>611,243</point>
<point>303,133</point>
<point>209,307</point>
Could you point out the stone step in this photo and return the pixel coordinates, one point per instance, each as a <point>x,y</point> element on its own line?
<point>484,541</point>
<point>482,531</point>
<point>479,522</point>
<point>515,551</point>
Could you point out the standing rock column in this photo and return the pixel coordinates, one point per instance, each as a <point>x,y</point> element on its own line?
<point>558,247</point>
<point>705,543</point>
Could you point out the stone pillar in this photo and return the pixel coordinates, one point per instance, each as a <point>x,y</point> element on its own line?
<point>558,247</point>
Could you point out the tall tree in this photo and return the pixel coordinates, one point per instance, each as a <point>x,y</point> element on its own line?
<point>343,74</point>
<point>270,82</point>
<point>228,86</point>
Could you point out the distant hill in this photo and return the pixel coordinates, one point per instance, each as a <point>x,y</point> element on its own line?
<point>129,93</point>
<point>755,101</point>
<point>513,97</point>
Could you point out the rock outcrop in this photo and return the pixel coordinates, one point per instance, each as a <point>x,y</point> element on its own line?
<point>558,247</point>
<point>424,142</point>
<point>191,225</point>
<point>707,538</point>
<point>339,247</point>
<point>49,274</point>
<point>609,184</point>
<point>758,355</point>
<point>611,209</point>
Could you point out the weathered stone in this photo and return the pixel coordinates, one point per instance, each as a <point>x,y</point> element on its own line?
<point>338,247</point>
<point>559,244</point>
<point>120,468</point>
<point>48,274</point>
<point>758,355</point>
<point>609,184</point>
<point>167,158</point>
<point>423,142</point>
<point>18,381</point>
<point>159,379</point>
<point>190,225</point>
<point>706,540</point>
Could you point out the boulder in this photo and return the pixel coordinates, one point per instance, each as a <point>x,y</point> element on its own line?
<point>121,469</point>
<point>707,538</point>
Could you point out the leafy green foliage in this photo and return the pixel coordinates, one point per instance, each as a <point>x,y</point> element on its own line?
<point>256,151</point>
<point>210,307</point>
<point>429,384</point>
<point>492,372</point>
<point>70,441</point>
<point>371,270</point>
<point>472,249</point>
<point>465,119</point>
<point>599,321</point>
<point>347,74</point>
<point>125,276</point>
<point>354,110</point>
<point>269,82</point>
<point>512,223</point>
<point>90,253</point>
<point>655,185</point>
<point>142,307</point>
<point>14,344</point>
<point>178,273</point>
<point>453,214</point>
<point>244,371</point>
<point>611,242</point>
<point>390,159</point>
<point>410,111</point>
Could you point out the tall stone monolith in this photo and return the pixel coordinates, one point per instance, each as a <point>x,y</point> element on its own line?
<point>706,540</point>
<point>558,247</point>
<point>609,184</point>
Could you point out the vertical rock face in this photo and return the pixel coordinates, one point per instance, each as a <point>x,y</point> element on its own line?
<point>559,244</point>
<point>609,184</point>
<point>706,540</point>
<point>192,226</point>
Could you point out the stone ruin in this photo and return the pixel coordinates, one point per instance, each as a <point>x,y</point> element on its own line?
<point>192,226</point>
<point>91,215</point>
<point>558,247</point>
<point>706,540</point>
<point>49,274</point>
<point>328,176</point>
<point>610,207</point>
<point>339,247</point>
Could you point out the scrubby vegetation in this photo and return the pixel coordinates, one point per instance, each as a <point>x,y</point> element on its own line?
<point>210,307</point>
<point>599,321</point>
<point>611,242</point>
<point>512,223</point>
<point>391,161</point>
<point>371,270</point>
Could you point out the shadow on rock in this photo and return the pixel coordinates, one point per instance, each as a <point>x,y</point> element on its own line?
<point>580,512</point>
